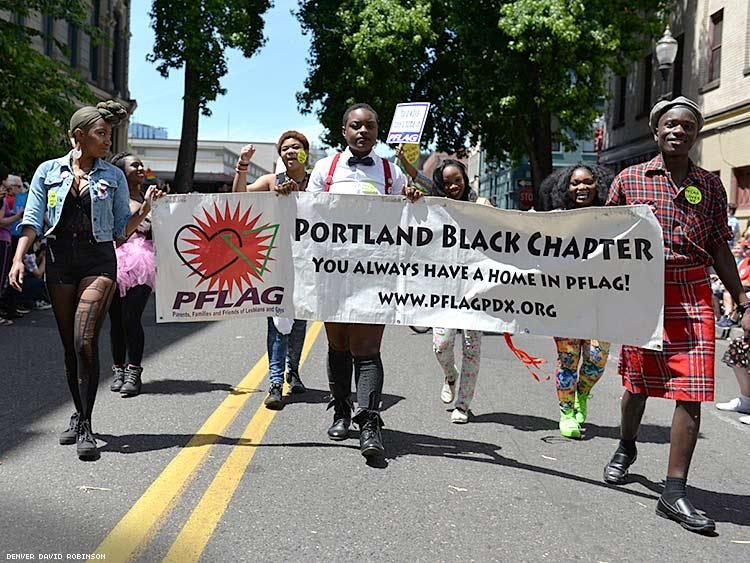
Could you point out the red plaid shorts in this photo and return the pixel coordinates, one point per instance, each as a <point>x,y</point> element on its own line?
<point>684,369</point>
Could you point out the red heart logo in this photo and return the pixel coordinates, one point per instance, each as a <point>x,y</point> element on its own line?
<point>210,254</point>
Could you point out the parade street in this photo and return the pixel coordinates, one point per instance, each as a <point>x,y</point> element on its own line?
<point>196,468</point>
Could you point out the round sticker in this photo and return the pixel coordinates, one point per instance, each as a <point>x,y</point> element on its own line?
<point>411,152</point>
<point>693,195</point>
<point>51,199</point>
<point>301,156</point>
<point>369,189</point>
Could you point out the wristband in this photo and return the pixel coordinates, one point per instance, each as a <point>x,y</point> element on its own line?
<point>744,307</point>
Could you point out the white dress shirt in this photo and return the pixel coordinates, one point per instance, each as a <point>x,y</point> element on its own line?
<point>357,179</point>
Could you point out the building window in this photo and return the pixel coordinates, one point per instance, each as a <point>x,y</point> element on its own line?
<point>73,44</point>
<point>714,54</point>
<point>94,47</point>
<point>648,78</point>
<point>677,69</point>
<point>556,146</point>
<point>741,187</point>
<point>117,54</point>
<point>622,85</point>
<point>49,35</point>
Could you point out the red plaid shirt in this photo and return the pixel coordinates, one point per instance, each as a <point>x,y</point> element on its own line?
<point>691,230</point>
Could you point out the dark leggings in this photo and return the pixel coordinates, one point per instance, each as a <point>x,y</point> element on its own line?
<point>80,310</point>
<point>126,332</point>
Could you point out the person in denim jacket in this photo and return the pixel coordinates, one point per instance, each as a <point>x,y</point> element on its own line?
<point>86,201</point>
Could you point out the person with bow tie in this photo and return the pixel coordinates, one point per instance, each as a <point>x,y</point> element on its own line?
<point>358,170</point>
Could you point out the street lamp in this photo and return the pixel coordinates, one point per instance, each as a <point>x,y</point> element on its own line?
<point>666,53</point>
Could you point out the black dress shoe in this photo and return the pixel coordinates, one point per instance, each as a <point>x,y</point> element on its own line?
<point>683,511</point>
<point>370,440</point>
<point>616,471</point>
<point>339,430</point>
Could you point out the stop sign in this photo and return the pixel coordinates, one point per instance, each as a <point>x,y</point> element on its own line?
<point>526,197</point>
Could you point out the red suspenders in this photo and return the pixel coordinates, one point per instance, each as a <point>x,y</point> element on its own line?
<point>329,178</point>
<point>386,174</point>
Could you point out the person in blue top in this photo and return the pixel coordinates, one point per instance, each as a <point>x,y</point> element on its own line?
<point>86,201</point>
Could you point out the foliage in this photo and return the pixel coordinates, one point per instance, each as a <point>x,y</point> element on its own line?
<point>194,35</point>
<point>37,94</point>
<point>498,71</point>
<point>198,32</point>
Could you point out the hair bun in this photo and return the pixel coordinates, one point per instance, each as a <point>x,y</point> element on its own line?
<point>111,111</point>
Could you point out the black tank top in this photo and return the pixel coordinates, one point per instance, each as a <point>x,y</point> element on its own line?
<point>76,214</point>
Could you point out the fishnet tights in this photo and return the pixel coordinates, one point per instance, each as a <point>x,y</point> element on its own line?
<point>80,310</point>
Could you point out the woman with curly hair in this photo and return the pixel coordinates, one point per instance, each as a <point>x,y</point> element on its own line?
<point>136,277</point>
<point>581,185</point>
<point>86,200</point>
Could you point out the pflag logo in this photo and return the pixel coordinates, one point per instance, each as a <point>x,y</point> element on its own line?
<point>226,249</point>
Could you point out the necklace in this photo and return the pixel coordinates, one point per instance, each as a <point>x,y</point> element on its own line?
<point>301,183</point>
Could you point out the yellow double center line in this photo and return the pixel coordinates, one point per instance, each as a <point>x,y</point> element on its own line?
<point>131,534</point>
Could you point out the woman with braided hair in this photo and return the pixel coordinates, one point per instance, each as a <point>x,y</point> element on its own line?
<point>86,200</point>
<point>576,187</point>
<point>136,276</point>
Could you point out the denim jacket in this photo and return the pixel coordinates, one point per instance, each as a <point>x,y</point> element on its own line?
<point>110,209</point>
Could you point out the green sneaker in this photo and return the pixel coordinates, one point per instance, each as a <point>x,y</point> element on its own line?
<point>582,406</point>
<point>569,426</point>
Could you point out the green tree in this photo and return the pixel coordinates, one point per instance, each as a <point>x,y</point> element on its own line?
<point>193,35</point>
<point>37,94</point>
<point>498,71</point>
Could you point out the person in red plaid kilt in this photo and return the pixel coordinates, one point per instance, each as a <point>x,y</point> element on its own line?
<point>690,203</point>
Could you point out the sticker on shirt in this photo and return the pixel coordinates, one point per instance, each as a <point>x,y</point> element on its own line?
<point>368,189</point>
<point>51,198</point>
<point>693,195</point>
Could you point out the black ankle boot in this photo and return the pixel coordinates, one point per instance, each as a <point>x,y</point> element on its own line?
<point>342,419</point>
<point>70,434</point>
<point>86,446</point>
<point>370,438</point>
<point>118,378</point>
<point>132,384</point>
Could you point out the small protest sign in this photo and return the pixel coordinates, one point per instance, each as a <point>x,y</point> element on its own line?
<point>408,122</point>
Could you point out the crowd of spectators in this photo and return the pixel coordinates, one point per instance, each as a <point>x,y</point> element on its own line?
<point>14,304</point>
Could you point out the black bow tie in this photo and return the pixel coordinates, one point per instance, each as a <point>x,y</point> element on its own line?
<point>364,160</point>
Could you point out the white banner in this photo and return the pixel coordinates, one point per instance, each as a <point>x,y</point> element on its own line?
<point>591,273</point>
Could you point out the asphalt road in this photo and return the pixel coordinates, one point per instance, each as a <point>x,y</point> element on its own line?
<point>197,469</point>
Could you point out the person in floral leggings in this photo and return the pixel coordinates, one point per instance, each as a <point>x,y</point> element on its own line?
<point>579,186</point>
<point>574,385</point>
<point>443,342</point>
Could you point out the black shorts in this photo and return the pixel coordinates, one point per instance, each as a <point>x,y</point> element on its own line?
<point>69,260</point>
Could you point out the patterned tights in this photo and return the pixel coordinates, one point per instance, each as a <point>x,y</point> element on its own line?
<point>569,379</point>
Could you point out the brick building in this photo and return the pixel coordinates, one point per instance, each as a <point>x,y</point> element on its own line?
<point>713,68</point>
<point>104,66</point>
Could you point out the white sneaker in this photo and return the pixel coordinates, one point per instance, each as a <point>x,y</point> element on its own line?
<point>735,405</point>
<point>459,417</point>
<point>745,419</point>
<point>446,393</point>
<point>42,305</point>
